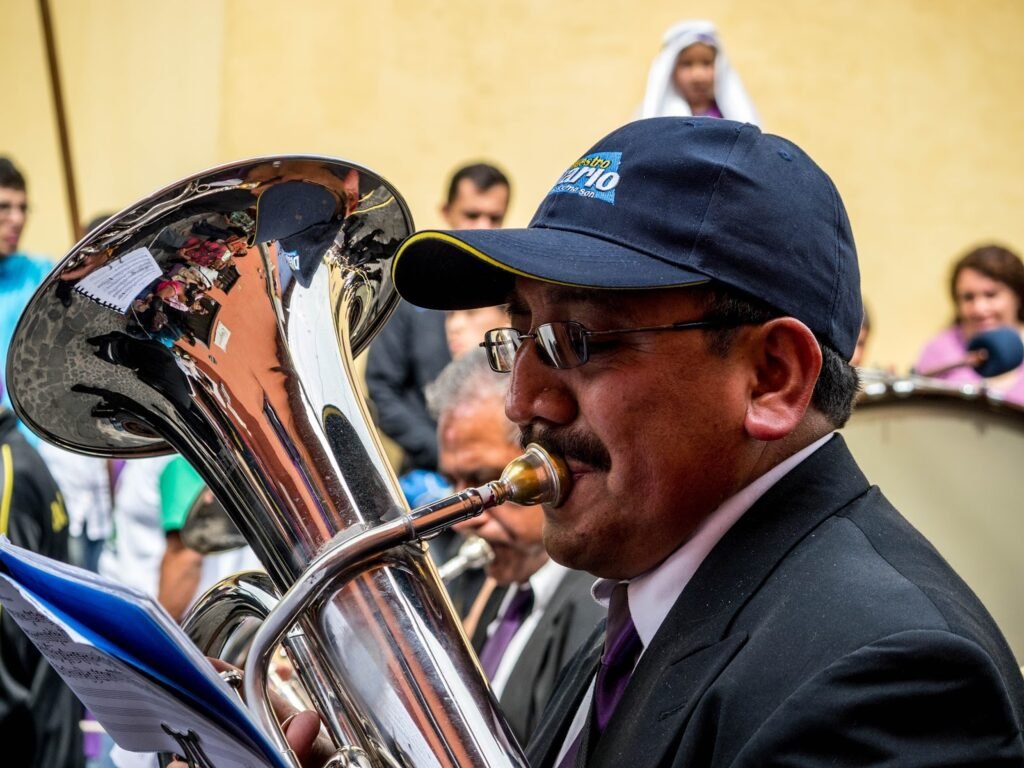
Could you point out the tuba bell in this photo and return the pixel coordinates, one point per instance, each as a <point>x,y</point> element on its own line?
<point>219,317</point>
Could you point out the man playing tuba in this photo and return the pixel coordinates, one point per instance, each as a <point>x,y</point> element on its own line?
<point>680,335</point>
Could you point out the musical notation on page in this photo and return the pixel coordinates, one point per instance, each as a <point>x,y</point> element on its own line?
<point>179,705</point>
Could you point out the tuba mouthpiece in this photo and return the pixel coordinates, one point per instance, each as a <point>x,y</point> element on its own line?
<point>473,554</point>
<point>536,477</point>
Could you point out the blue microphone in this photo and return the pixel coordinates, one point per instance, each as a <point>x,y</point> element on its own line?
<point>989,353</point>
<point>1001,350</point>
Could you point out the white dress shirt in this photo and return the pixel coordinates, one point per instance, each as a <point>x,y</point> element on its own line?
<point>544,582</point>
<point>652,595</point>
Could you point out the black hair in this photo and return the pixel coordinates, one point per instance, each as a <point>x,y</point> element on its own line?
<point>837,384</point>
<point>10,176</point>
<point>482,175</point>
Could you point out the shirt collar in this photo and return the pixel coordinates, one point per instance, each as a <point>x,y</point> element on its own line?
<point>653,594</point>
<point>544,583</point>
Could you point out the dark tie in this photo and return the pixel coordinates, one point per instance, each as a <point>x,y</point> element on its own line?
<point>622,647</point>
<point>518,609</point>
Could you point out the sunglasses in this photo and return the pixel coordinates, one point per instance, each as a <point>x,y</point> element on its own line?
<point>564,344</point>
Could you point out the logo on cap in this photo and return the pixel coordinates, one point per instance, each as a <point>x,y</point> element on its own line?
<point>595,176</point>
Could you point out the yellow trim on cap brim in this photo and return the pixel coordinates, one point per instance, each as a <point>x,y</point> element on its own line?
<point>444,237</point>
<point>7,473</point>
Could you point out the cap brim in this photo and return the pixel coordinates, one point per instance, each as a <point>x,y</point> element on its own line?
<point>465,269</point>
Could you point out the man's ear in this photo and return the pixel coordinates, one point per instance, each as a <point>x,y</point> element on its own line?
<point>787,361</point>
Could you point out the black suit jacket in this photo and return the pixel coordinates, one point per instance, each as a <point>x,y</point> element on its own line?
<point>569,619</point>
<point>821,630</point>
<point>408,353</point>
<point>38,713</point>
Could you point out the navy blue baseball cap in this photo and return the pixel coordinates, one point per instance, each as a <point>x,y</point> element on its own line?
<point>659,203</point>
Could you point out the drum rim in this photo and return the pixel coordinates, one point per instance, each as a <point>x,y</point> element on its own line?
<point>888,390</point>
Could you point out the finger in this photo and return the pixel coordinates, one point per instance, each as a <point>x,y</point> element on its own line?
<point>282,709</point>
<point>301,728</point>
<point>302,732</point>
<point>222,666</point>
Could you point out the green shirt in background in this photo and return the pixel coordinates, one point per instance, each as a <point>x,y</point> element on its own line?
<point>180,486</point>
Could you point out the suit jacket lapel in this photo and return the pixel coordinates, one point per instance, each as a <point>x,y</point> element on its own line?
<point>549,736</point>
<point>694,643</point>
<point>539,663</point>
<point>487,615</point>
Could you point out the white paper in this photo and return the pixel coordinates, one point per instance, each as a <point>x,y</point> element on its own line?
<point>132,708</point>
<point>117,283</point>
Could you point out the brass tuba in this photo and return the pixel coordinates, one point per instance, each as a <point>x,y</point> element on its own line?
<point>220,317</point>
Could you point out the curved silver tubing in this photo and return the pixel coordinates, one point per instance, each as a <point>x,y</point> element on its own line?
<point>223,622</point>
<point>331,570</point>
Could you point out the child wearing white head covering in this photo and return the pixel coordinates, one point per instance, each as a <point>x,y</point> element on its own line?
<point>663,97</point>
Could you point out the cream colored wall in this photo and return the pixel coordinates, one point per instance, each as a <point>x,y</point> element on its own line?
<point>913,106</point>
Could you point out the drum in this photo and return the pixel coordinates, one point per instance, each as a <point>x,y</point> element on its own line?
<point>951,459</point>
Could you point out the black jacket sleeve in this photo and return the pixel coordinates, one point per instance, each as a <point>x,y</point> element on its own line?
<point>39,714</point>
<point>407,355</point>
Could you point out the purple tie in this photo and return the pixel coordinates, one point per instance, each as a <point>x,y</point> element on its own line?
<point>622,647</point>
<point>518,609</point>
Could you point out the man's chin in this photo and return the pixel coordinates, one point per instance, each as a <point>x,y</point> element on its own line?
<point>564,548</point>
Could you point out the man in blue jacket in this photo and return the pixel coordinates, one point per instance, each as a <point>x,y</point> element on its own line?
<point>20,274</point>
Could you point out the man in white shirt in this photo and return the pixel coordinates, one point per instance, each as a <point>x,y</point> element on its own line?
<point>85,482</point>
<point>150,505</point>
<point>532,613</point>
<point>145,551</point>
<point>683,308</point>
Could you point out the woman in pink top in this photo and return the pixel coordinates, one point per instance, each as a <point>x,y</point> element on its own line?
<point>987,287</point>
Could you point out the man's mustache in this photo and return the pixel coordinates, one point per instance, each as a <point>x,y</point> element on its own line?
<point>578,446</point>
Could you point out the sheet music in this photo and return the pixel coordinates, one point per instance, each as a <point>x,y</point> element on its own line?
<point>129,663</point>
<point>115,284</point>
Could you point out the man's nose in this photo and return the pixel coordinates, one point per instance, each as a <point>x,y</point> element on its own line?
<point>538,392</point>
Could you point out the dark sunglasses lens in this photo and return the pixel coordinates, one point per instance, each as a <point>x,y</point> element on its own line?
<point>564,344</point>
